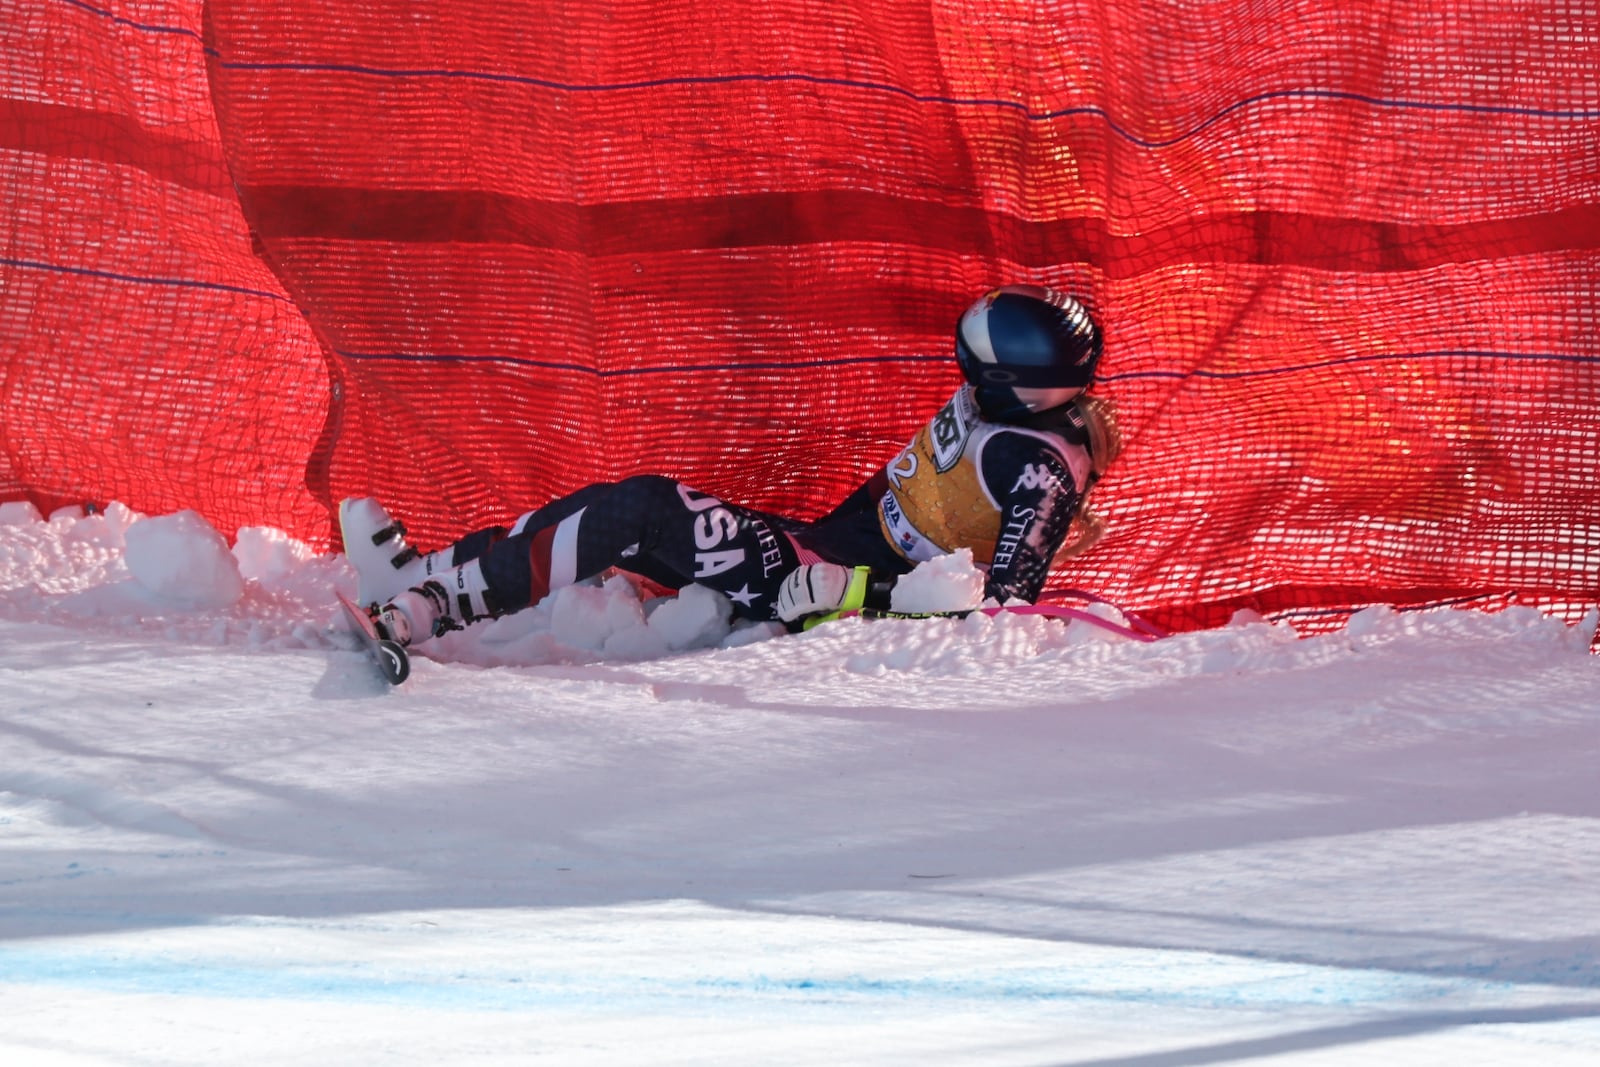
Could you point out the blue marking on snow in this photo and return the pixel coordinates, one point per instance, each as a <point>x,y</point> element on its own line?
<point>1183,985</point>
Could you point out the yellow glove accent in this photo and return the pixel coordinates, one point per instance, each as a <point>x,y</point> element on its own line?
<point>855,597</point>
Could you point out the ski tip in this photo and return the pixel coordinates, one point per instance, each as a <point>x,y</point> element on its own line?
<point>394,662</point>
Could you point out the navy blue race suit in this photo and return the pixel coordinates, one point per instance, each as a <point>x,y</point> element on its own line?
<point>1005,491</point>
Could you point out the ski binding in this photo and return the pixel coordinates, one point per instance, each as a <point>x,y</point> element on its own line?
<point>390,656</point>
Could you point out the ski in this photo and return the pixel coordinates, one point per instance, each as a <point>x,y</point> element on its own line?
<point>1141,632</point>
<point>390,656</point>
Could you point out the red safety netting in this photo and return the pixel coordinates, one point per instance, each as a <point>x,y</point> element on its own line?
<point>1346,258</point>
<point>146,354</point>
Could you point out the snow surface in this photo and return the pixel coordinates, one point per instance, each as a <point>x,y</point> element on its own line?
<point>609,832</point>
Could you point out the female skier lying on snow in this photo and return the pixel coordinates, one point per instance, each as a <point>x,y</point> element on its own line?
<point>1002,469</point>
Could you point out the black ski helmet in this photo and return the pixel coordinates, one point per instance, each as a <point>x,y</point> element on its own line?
<point>1026,349</point>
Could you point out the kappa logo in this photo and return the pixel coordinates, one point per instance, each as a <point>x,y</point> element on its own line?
<point>1035,476</point>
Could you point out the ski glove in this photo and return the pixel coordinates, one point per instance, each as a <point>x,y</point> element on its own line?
<point>819,588</point>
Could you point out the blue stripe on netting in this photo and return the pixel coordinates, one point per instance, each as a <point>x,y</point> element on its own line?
<point>137,279</point>
<point>143,27</point>
<point>631,372</point>
<point>770,365</point>
<point>1579,114</point>
<point>1344,361</point>
<point>941,360</point>
<point>1564,114</point>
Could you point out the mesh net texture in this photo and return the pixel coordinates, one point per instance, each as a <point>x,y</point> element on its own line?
<point>467,256</point>
<point>146,354</point>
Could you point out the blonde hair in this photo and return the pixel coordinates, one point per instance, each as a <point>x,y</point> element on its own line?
<point>1105,445</point>
<point>1105,439</point>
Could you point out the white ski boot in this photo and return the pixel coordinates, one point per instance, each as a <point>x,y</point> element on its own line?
<point>376,546</point>
<point>445,602</point>
<point>413,615</point>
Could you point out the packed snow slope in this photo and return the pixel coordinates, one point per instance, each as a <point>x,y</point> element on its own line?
<point>604,832</point>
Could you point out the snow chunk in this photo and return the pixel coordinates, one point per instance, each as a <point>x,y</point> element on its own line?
<point>181,558</point>
<point>696,618</point>
<point>266,554</point>
<point>588,615</point>
<point>945,583</point>
<point>1581,637</point>
<point>1369,622</point>
<point>105,531</point>
<point>19,513</point>
<point>610,618</point>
